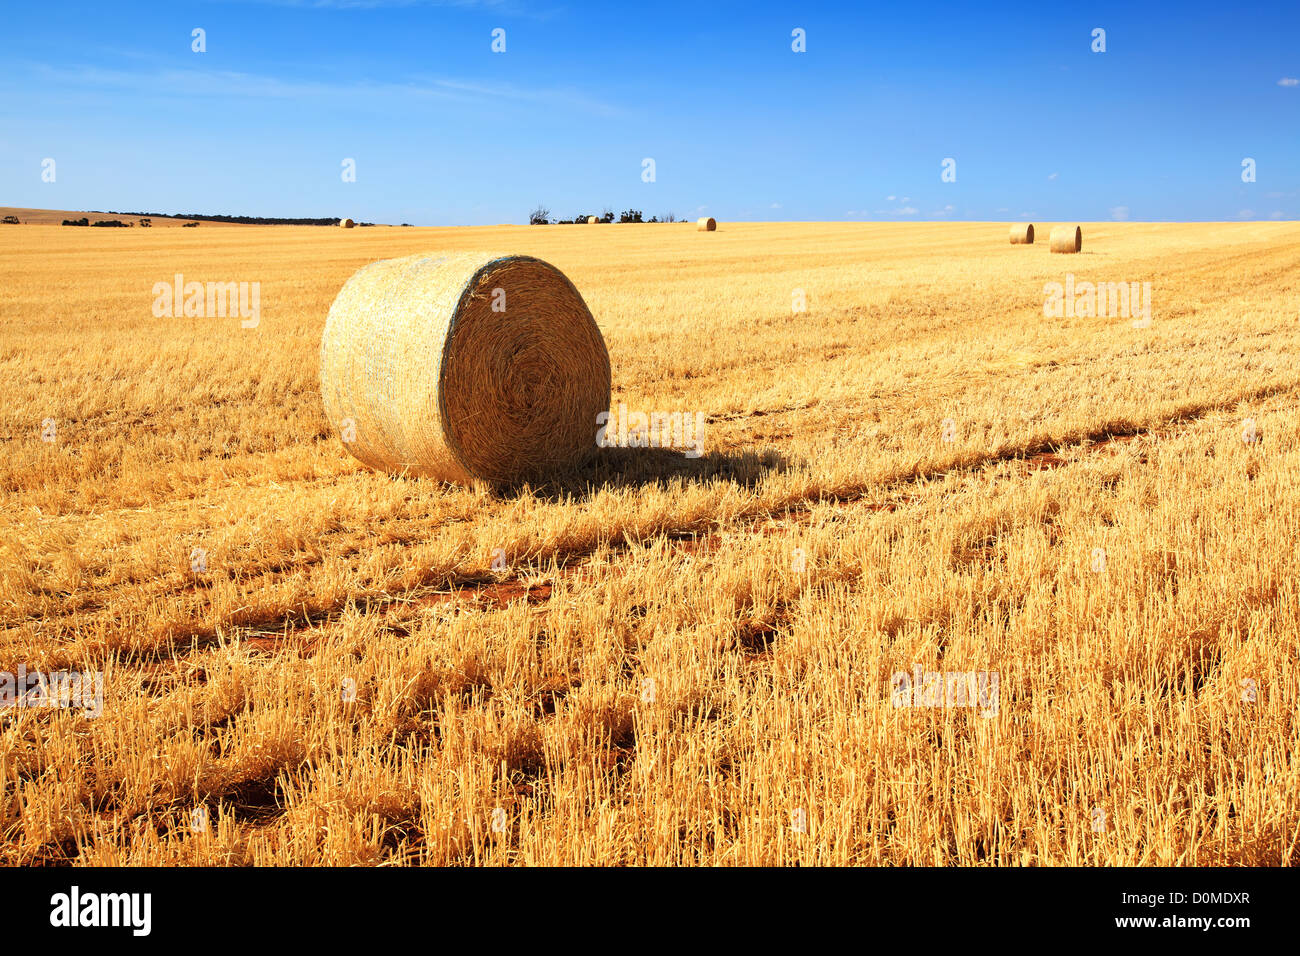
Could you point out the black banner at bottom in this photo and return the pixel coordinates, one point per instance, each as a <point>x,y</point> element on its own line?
<point>334,905</point>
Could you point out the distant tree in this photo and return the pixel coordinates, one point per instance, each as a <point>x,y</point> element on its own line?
<point>539,216</point>
<point>630,215</point>
<point>12,220</point>
<point>83,221</point>
<point>653,219</point>
<point>671,217</point>
<point>189,225</point>
<point>146,222</point>
<point>607,215</point>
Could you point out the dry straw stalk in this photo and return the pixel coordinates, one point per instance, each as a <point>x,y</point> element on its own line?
<point>1022,233</point>
<point>706,224</point>
<point>1066,239</point>
<point>462,366</point>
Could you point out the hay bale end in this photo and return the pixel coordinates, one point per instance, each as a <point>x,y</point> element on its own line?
<point>1022,233</point>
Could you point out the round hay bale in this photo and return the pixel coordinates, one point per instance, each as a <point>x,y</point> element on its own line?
<point>1022,233</point>
<point>592,220</point>
<point>346,223</point>
<point>1066,239</point>
<point>464,365</point>
<point>706,224</point>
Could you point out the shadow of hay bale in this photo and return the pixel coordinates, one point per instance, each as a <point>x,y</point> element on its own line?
<point>613,469</point>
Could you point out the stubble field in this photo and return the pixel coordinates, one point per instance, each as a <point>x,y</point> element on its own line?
<point>667,660</point>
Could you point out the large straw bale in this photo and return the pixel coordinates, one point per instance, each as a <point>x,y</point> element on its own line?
<point>462,366</point>
<point>1066,239</point>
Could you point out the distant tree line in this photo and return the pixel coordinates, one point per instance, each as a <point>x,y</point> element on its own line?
<point>245,220</point>
<point>84,221</point>
<point>541,216</point>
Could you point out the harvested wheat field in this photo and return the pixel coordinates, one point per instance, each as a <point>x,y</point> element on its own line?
<point>1086,526</point>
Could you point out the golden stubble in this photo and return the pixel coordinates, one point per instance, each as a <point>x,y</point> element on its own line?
<point>666,660</point>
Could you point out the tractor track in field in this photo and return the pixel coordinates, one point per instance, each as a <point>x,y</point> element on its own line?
<point>498,593</point>
<point>1043,456</point>
<point>477,592</point>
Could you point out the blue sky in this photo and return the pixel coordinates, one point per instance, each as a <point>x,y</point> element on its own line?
<point>444,131</point>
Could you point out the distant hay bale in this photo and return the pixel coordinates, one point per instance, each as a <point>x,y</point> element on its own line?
<point>1022,233</point>
<point>707,224</point>
<point>346,223</point>
<point>464,365</point>
<point>1066,239</point>
<point>592,220</point>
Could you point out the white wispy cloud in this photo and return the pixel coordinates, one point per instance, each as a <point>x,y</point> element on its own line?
<point>1119,213</point>
<point>1053,175</point>
<point>500,5</point>
<point>1288,81</point>
<point>554,96</point>
<point>188,83</point>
